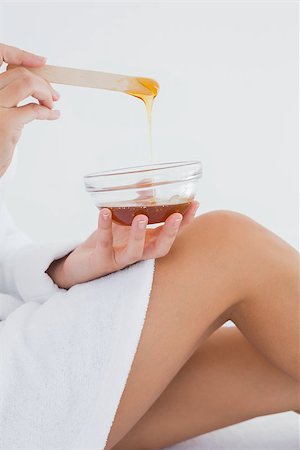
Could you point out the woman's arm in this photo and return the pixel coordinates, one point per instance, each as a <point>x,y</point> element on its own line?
<point>22,264</point>
<point>110,247</point>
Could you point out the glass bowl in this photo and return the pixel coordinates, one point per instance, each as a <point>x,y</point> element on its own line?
<point>156,190</point>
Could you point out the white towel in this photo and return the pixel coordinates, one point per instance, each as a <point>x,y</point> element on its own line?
<point>64,355</point>
<point>64,361</point>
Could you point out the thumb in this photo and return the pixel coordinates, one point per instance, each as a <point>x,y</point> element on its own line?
<point>33,111</point>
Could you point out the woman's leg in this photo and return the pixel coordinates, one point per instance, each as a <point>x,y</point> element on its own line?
<point>226,381</point>
<point>224,266</point>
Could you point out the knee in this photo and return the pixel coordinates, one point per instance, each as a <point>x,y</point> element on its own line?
<point>219,228</point>
<point>216,243</point>
<point>223,219</point>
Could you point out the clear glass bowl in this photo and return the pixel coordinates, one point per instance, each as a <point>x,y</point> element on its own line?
<point>156,190</point>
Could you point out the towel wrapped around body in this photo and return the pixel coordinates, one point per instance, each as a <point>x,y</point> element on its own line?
<point>64,355</point>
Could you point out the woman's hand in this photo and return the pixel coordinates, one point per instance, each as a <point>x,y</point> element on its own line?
<point>112,247</point>
<point>16,85</point>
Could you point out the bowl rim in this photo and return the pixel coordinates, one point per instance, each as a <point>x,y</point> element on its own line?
<point>144,168</point>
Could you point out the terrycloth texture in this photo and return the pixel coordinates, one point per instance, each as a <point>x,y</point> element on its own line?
<point>64,355</point>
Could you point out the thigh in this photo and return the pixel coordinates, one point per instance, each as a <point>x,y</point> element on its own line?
<point>223,266</point>
<point>224,382</point>
<point>189,300</point>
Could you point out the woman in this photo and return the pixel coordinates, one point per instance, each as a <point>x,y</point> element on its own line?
<point>79,365</point>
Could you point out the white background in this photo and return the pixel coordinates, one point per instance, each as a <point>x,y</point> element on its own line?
<point>228,76</point>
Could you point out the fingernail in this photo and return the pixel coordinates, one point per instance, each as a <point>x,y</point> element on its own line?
<point>56,93</point>
<point>56,113</point>
<point>105,214</point>
<point>42,58</point>
<point>177,222</point>
<point>142,224</point>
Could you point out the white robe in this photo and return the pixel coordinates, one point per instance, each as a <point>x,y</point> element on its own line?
<point>64,355</point>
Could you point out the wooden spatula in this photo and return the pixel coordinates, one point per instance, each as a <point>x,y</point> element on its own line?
<point>139,87</point>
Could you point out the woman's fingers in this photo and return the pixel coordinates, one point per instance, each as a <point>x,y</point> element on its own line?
<point>16,73</point>
<point>25,83</point>
<point>25,86</point>
<point>13,55</point>
<point>136,241</point>
<point>104,246</point>
<point>20,89</point>
<point>166,236</point>
<point>162,239</point>
<point>190,214</point>
<point>33,111</point>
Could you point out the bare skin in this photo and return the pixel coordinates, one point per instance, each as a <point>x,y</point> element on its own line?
<point>225,381</point>
<point>225,267</point>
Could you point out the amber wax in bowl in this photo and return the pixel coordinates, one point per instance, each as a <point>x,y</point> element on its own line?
<point>156,190</point>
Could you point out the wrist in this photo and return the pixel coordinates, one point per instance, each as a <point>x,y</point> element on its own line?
<point>57,273</point>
